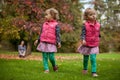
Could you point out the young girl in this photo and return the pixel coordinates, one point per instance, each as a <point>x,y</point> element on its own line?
<point>49,38</point>
<point>22,49</point>
<point>90,40</point>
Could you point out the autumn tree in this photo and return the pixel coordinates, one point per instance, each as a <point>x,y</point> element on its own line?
<point>109,16</point>
<point>28,15</point>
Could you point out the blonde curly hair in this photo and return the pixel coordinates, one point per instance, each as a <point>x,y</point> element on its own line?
<point>87,12</point>
<point>53,12</point>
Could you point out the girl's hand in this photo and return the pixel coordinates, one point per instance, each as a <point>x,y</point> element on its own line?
<point>59,45</point>
<point>35,43</point>
<point>84,42</point>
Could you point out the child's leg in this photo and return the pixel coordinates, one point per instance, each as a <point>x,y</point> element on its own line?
<point>52,58</point>
<point>23,54</point>
<point>45,60</point>
<point>85,61</point>
<point>20,52</point>
<point>93,62</point>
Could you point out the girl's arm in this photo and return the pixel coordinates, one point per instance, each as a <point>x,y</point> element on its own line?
<point>58,36</point>
<point>100,33</point>
<point>39,34</point>
<point>24,47</point>
<point>38,39</point>
<point>19,51</point>
<point>83,33</point>
<point>18,47</point>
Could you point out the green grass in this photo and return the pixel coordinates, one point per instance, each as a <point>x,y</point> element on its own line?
<point>8,52</point>
<point>108,69</point>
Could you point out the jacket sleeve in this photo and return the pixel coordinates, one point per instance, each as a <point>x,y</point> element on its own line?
<point>58,34</point>
<point>39,35</point>
<point>100,33</point>
<point>38,38</point>
<point>18,47</point>
<point>24,47</point>
<point>83,32</point>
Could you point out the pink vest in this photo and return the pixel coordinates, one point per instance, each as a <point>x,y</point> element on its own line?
<point>49,32</point>
<point>92,34</point>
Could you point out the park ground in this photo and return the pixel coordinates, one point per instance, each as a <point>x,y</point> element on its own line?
<point>70,67</point>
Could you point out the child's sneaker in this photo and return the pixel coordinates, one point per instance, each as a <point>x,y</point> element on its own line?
<point>55,68</point>
<point>84,71</point>
<point>46,71</point>
<point>94,75</point>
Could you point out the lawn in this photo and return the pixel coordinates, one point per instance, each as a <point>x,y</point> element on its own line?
<point>69,69</point>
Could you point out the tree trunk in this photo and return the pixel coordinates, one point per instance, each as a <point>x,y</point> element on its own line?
<point>29,44</point>
<point>110,46</point>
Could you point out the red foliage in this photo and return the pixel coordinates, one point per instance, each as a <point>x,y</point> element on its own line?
<point>28,2</point>
<point>18,22</point>
<point>32,9</point>
<point>66,27</point>
<point>54,1</point>
<point>41,1</point>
